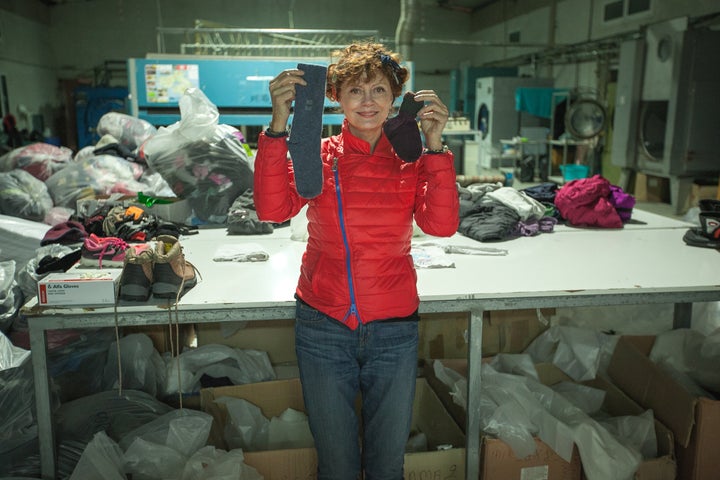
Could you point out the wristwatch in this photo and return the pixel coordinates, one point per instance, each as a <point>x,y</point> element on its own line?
<point>444,149</point>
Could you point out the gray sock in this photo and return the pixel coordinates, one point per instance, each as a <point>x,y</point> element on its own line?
<point>306,131</point>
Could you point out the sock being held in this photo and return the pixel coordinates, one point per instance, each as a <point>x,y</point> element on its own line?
<point>402,130</point>
<point>306,131</point>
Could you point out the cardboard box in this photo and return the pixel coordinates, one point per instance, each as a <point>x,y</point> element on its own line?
<point>649,188</point>
<point>165,338</point>
<point>617,403</point>
<point>694,421</point>
<point>429,417</point>
<point>497,460</point>
<point>276,337</point>
<point>171,209</point>
<point>176,210</point>
<point>85,287</point>
<point>444,335</point>
<point>701,192</point>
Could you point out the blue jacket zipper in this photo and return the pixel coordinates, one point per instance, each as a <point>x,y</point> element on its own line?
<point>351,286</point>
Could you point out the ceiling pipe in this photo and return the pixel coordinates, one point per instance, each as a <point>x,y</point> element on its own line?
<point>405,28</point>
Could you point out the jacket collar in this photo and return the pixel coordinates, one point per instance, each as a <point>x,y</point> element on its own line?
<point>353,144</point>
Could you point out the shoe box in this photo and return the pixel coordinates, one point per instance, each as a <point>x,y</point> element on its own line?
<point>170,209</point>
<point>79,286</point>
<point>444,458</point>
<point>497,459</point>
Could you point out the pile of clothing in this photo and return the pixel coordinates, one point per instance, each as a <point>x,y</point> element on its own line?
<point>492,212</point>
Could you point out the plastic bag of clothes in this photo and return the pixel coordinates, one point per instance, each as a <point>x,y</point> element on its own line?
<point>130,132</point>
<point>22,195</point>
<point>41,160</point>
<point>93,177</point>
<point>18,427</point>
<point>202,161</point>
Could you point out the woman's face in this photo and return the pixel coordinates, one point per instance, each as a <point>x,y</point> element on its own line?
<point>366,104</point>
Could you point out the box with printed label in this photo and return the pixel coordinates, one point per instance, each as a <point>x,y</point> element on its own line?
<point>79,287</point>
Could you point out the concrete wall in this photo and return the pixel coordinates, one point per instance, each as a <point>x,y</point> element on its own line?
<point>26,63</point>
<point>44,49</point>
<point>54,47</point>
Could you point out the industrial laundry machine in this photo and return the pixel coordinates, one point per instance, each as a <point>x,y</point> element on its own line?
<point>667,111</point>
<point>496,116</point>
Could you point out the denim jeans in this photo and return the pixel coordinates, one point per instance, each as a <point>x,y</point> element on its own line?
<point>377,360</point>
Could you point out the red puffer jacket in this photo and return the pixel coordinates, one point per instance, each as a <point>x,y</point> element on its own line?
<point>357,265</point>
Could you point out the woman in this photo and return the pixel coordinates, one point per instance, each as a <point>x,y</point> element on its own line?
<point>356,316</point>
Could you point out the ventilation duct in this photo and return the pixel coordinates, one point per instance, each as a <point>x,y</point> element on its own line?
<point>405,28</point>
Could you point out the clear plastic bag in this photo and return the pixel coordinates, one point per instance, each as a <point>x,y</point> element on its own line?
<point>102,459</point>
<point>202,161</point>
<point>240,366</point>
<point>142,366</point>
<point>95,176</point>
<point>579,352</point>
<point>17,402</point>
<point>24,196</point>
<point>41,160</point>
<point>246,428</point>
<point>129,131</point>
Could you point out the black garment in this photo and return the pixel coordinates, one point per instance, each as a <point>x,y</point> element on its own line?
<point>489,221</point>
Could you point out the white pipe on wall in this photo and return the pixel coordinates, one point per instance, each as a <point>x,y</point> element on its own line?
<point>405,28</point>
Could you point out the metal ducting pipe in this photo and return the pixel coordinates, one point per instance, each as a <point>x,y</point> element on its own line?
<point>405,29</point>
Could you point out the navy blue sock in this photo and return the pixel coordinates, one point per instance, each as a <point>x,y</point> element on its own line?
<point>402,130</point>
<point>306,131</point>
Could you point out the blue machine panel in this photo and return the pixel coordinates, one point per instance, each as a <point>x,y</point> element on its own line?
<point>238,87</point>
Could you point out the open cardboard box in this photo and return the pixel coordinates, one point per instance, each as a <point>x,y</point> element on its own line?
<point>694,421</point>
<point>497,459</point>
<point>617,403</point>
<point>274,397</point>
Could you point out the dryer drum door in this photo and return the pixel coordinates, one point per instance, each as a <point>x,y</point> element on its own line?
<point>483,120</point>
<point>653,123</point>
<point>585,118</point>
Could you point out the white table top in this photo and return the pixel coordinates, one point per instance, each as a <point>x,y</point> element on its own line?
<point>588,262</point>
<point>591,261</point>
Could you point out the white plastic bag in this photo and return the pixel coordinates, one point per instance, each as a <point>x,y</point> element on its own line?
<point>247,427</point>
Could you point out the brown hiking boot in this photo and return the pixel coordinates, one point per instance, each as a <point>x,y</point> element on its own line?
<point>137,276</point>
<point>172,273</point>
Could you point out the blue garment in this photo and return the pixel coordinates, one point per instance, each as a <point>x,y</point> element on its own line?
<point>538,101</point>
<point>377,360</point>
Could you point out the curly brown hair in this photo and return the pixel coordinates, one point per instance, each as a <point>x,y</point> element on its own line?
<point>364,60</point>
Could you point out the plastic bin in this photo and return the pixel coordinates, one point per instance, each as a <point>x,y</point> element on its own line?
<point>574,172</point>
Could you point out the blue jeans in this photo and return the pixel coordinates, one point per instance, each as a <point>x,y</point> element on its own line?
<point>377,360</point>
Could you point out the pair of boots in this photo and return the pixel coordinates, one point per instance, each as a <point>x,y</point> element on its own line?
<point>708,234</point>
<point>162,271</point>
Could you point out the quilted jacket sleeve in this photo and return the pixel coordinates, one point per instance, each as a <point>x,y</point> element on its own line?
<point>436,199</point>
<point>274,193</point>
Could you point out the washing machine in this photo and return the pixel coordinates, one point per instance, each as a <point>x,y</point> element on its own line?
<point>671,92</point>
<point>496,117</point>
<point>667,111</point>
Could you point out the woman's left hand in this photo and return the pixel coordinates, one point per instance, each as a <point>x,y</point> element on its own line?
<point>433,117</point>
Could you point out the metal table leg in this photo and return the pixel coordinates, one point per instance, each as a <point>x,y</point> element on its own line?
<point>472,430</point>
<point>46,433</point>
